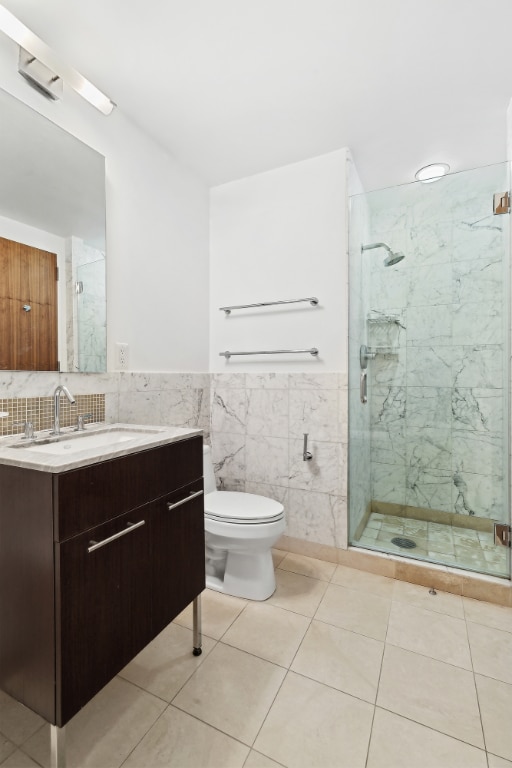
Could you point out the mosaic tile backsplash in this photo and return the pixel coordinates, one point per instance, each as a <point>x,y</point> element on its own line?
<point>39,411</point>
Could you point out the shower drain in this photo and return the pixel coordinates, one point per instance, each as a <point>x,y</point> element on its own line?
<point>399,541</point>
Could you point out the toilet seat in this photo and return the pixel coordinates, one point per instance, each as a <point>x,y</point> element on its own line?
<point>241,508</point>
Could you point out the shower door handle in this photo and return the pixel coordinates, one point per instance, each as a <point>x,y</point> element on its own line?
<point>363,387</point>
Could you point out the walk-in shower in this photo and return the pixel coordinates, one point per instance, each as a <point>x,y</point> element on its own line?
<point>429,371</point>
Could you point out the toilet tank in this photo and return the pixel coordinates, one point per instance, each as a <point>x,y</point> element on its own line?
<point>209,477</point>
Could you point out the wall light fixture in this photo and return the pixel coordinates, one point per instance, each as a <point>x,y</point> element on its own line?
<point>42,67</point>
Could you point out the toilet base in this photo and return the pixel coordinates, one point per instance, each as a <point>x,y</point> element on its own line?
<point>247,575</point>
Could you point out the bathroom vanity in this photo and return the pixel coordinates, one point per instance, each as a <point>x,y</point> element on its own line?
<point>100,548</point>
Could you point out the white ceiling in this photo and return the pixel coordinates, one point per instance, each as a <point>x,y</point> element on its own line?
<point>235,87</point>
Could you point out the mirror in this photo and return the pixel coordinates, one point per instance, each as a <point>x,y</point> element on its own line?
<point>52,200</point>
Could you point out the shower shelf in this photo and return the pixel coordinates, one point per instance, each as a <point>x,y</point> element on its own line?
<point>385,319</point>
<point>382,351</point>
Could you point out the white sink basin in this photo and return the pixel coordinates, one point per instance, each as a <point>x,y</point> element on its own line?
<point>68,444</point>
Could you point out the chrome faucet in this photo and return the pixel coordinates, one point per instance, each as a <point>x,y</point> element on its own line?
<point>56,406</point>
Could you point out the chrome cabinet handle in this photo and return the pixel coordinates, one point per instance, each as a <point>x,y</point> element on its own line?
<point>129,528</point>
<point>363,387</point>
<point>184,501</point>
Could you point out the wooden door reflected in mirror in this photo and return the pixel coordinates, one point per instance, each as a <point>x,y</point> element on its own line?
<point>28,308</point>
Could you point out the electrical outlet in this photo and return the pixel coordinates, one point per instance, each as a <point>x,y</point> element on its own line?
<point>122,356</point>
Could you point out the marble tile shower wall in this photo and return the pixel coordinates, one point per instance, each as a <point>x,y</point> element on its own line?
<point>438,401</point>
<point>257,430</point>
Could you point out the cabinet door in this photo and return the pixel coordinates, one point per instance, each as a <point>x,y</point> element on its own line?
<point>178,553</point>
<point>103,609</point>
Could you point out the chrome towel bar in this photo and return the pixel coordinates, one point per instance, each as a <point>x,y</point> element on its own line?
<point>312,300</point>
<point>313,351</point>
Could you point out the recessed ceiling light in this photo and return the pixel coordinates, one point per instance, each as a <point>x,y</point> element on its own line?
<point>432,172</point>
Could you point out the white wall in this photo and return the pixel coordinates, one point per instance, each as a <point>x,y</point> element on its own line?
<point>274,236</point>
<point>157,233</point>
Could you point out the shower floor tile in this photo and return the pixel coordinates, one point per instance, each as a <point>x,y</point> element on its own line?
<point>436,542</point>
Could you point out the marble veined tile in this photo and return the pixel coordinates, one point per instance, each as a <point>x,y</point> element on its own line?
<point>478,366</point>
<point>388,446</point>
<point>478,453</point>
<point>429,449</point>
<point>228,410</point>
<point>480,238</point>
<point>429,488</point>
<point>479,410</point>
<point>388,284</point>
<point>390,369</point>
<point>429,366</point>
<point>480,495</point>
<point>314,412</point>
<point>477,322</point>
<point>430,285</point>
<point>430,326</point>
<point>266,460</point>
<point>477,280</point>
<point>387,406</point>
<point>267,412</point>
<point>228,453</point>
<point>388,483</point>
<point>266,380</point>
<point>326,472</point>
<point>317,517</point>
<point>428,407</point>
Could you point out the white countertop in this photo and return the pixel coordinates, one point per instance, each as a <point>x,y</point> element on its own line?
<point>73,451</point>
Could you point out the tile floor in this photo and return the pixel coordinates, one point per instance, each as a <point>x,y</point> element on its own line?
<point>436,542</point>
<point>338,668</point>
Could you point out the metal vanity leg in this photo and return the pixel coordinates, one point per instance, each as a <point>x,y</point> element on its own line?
<point>58,746</point>
<point>196,626</point>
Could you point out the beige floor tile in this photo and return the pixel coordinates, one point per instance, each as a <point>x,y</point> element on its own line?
<point>432,634</point>
<point>498,762</point>
<point>480,612</point>
<point>491,651</point>
<point>278,556</point>
<point>257,760</point>
<point>218,613</point>
<point>7,747</point>
<point>308,566</point>
<point>268,632</point>
<point>232,690</point>
<point>106,730</point>
<point>341,659</point>
<point>411,685</point>
<point>400,743</point>
<point>311,724</point>
<point>357,611</point>
<point>19,760</point>
<point>495,700</point>
<point>17,722</point>
<point>297,593</point>
<point>178,740</point>
<point>167,662</point>
<point>442,602</point>
<point>362,580</point>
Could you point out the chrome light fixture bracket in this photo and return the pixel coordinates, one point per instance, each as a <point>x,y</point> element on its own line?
<point>39,76</point>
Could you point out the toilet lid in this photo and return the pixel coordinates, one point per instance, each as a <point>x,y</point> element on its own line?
<point>234,507</point>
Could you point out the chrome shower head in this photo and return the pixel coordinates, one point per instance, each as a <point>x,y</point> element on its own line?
<point>391,258</point>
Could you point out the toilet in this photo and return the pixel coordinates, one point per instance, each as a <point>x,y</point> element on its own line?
<point>240,530</point>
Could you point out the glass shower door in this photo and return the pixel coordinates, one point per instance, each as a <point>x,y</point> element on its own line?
<point>429,342</point>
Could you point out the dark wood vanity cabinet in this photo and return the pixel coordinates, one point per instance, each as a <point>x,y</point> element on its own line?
<point>94,563</point>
